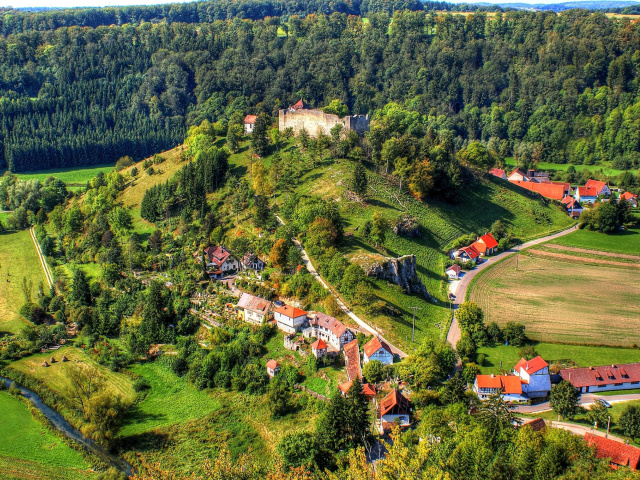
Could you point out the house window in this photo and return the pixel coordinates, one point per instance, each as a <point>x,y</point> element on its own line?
<point>635,383</point>
<point>617,384</point>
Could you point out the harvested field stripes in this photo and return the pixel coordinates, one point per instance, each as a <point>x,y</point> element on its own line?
<point>15,468</point>
<point>583,260</point>
<point>593,252</point>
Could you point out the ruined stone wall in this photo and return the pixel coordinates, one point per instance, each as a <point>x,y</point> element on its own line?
<point>316,121</point>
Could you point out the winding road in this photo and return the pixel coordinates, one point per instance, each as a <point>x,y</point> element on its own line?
<point>364,325</point>
<point>461,290</point>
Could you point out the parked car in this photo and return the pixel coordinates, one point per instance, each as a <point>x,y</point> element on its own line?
<point>278,303</point>
<point>603,402</point>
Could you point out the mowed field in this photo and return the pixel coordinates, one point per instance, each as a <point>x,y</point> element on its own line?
<point>18,259</point>
<point>625,242</point>
<point>72,176</point>
<point>564,296</point>
<point>29,451</point>
<point>562,167</point>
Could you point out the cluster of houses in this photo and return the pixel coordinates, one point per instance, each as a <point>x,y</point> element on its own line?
<point>573,199</point>
<point>220,262</point>
<point>483,246</point>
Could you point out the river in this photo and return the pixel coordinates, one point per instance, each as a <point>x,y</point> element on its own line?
<point>59,423</point>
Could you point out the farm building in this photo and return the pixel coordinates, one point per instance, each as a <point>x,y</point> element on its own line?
<point>249,123</point>
<point>352,360</point>
<point>330,329</point>
<point>289,318</point>
<point>619,454</point>
<point>453,272</point>
<point>319,348</point>
<point>534,376</point>
<point>273,367</point>
<point>586,195</point>
<point>508,386</point>
<point>252,262</point>
<point>466,254</point>
<point>601,188</point>
<point>498,172</point>
<point>219,261</point>
<point>377,349</point>
<point>368,390</point>
<point>603,379</point>
<point>518,175</point>
<point>546,189</point>
<point>574,209</point>
<point>486,244</point>
<point>394,409</point>
<point>253,309</point>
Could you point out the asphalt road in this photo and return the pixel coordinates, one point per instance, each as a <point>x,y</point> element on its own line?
<point>585,400</point>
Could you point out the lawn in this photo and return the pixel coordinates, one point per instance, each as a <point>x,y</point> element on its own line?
<point>18,259</point>
<point>91,270</point>
<point>3,218</point>
<point>562,300</point>
<point>29,450</point>
<point>627,241</point>
<point>73,176</point>
<point>581,355</point>
<point>562,167</point>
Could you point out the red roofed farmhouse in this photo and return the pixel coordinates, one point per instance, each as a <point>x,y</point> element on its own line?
<point>548,190</point>
<point>330,329</point>
<point>394,409</point>
<point>352,360</point>
<point>253,309</point>
<point>466,253</point>
<point>586,194</point>
<point>603,379</point>
<point>319,348</point>
<point>498,172</point>
<point>619,454</point>
<point>377,349</point>
<point>631,198</point>
<point>486,244</point>
<point>509,386</point>
<point>249,123</point>
<point>534,377</point>
<point>601,188</point>
<point>273,367</point>
<point>219,261</point>
<point>289,318</point>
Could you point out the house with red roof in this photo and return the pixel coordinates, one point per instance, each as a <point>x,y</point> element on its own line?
<point>273,367</point>
<point>603,379</point>
<point>368,389</point>
<point>252,262</point>
<point>486,244</point>
<point>508,386</point>
<point>518,175</point>
<point>378,349</point>
<point>631,198</point>
<point>352,360</point>
<point>548,190</point>
<point>498,172</point>
<point>394,409</point>
<point>453,272</point>
<point>574,209</point>
<point>534,377</point>
<point>601,188</point>
<point>249,123</point>
<point>466,254</point>
<point>319,348</point>
<point>253,309</point>
<point>289,319</point>
<point>619,454</point>
<point>329,329</point>
<point>219,261</point>
<point>586,195</point>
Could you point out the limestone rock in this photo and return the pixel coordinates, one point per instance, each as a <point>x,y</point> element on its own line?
<point>401,271</point>
<point>407,225</point>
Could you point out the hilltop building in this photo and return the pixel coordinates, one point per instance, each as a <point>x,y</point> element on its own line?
<point>301,116</point>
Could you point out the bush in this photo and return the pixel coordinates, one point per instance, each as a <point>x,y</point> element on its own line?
<point>141,385</point>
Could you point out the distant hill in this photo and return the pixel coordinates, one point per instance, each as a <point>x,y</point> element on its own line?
<point>559,7</point>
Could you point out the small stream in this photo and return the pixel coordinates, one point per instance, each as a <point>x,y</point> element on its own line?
<point>59,423</point>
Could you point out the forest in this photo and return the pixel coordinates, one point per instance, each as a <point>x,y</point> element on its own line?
<point>559,88</point>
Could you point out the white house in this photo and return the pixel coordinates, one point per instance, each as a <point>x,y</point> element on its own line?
<point>602,379</point>
<point>273,367</point>
<point>249,123</point>
<point>574,209</point>
<point>319,348</point>
<point>253,309</point>
<point>586,195</point>
<point>534,376</point>
<point>329,329</point>
<point>518,175</point>
<point>376,349</point>
<point>453,272</point>
<point>252,262</point>
<point>219,261</point>
<point>508,386</point>
<point>601,187</point>
<point>289,318</point>
<point>466,254</point>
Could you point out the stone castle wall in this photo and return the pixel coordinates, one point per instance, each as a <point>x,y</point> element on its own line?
<point>316,122</point>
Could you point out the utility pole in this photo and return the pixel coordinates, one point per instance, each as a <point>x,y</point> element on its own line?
<point>517,256</point>
<point>608,425</point>
<point>413,330</point>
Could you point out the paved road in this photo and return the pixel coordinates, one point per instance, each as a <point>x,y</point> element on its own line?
<point>576,429</point>
<point>43,262</point>
<point>364,325</point>
<point>461,291</point>
<point>585,400</point>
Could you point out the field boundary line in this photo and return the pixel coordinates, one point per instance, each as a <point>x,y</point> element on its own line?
<point>585,260</point>
<point>602,253</point>
<point>43,261</point>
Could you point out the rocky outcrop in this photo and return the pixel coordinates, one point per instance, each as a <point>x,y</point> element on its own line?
<point>401,271</point>
<point>407,225</point>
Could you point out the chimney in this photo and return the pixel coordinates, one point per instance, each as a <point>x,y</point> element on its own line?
<point>492,375</point>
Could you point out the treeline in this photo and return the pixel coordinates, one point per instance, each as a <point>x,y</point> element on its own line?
<point>532,83</point>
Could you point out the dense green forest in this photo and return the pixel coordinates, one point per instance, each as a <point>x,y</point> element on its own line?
<point>560,88</point>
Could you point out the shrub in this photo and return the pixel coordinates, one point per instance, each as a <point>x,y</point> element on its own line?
<point>141,385</point>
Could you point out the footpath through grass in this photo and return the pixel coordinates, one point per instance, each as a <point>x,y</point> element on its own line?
<point>18,260</point>
<point>29,450</point>
<point>581,355</point>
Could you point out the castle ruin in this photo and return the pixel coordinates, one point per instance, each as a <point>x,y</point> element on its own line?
<point>300,116</point>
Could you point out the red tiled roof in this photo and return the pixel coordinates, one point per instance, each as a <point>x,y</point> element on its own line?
<point>334,325</point>
<point>251,119</point>
<point>373,345</point>
<point>319,345</point>
<point>518,170</point>
<point>593,376</point>
<point>352,359</point>
<point>587,192</point>
<point>536,424</point>
<point>471,251</point>
<point>531,366</point>
<point>455,268</point>
<point>255,304</point>
<point>628,196</point>
<point>217,255</point>
<point>272,364</point>
<point>566,185</point>
<point>596,184</point>
<point>289,311</point>
<point>367,389</point>
<point>549,190</point>
<point>395,400</point>
<point>505,383</point>
<point>620,454</point>
<point>498,172</point>
<point>299,105</point>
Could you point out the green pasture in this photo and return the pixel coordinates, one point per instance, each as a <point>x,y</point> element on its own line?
<point>562,167</point>
<point>74,176</point>
<point>627,241</point>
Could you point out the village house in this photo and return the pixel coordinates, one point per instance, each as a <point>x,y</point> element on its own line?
<point>508,386</point>
<point>498,172</point>
<point>603,379</point>
<point>534,376</point>
<point>453,272</point>
<point>486,244</point>
<point>601,188</point>
<point>574,209</point>
<point>219,261</point>
<point>352,360</point>
<point>394,409</point>
<point>319,348</point>
<point>378,349</point>
<point>273,367</point>
<point>518,175</point>
<point>631,198</point>
<point>586,195</point>
<point>466,254</point>
<point>329,329</point>
<point>253,309</point>
<point>289,318</point>
<point>368,389</point>
<point>249,123</point>
<point>538,177</point>
<point>252,262</point>
<point>619,454</point>
<point>546,189</point>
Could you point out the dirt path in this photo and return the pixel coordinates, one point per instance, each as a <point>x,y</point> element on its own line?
<point>364,325</point>
<point>563,256</point>
<point>593,252</point>
<point>43,262</point>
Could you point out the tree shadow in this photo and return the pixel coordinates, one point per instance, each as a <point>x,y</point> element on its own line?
<point>147,441</point>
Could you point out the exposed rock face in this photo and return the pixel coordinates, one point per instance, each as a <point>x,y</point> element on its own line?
<point>401,271</point>
<point>407,225</point>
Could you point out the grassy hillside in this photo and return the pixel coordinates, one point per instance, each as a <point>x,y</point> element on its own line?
<point>29,450</point>
<point>562,167</point>
<point>18,259</point>
<point>74,177</point>
<point>625,242</point>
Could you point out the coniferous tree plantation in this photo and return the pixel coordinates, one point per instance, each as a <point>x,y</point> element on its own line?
<point>542,86</point>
